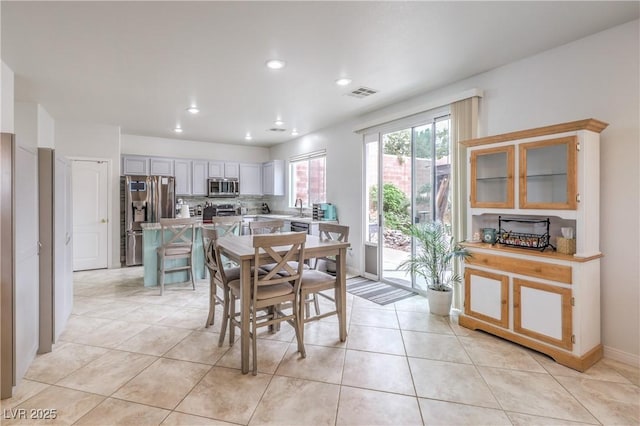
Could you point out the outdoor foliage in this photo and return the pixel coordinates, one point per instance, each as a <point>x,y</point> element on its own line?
<point>399,143</point>
<point>395,207</point>
<point>436,250</point>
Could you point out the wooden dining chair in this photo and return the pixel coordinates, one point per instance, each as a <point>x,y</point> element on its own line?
<point>269,291</point>
<point>227,225</point>
<point>177,238</point>
<point>265,226</point>
<point>314,282</point>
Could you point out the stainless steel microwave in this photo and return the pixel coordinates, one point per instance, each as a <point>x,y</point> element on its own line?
<point>223,187</point>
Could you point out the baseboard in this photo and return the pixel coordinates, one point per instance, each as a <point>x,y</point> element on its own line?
<point>621,356</point>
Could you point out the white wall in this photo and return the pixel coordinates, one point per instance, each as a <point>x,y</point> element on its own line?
<point>46,129</point>
<point>26,237</point>
<point>6,99</point>
<point>96,141</point>
<point>180,148</point>
<point>593,77</point>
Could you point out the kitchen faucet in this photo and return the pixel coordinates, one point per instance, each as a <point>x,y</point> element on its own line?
<point>296,205</point>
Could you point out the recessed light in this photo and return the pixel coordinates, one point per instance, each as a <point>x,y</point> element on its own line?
<point>248,136</point>
<point>279,122</point>
<point>275,64</point>
<point>193,109</point>
<point>343,81</point>
<point>178,129</point>
<point>294,132</point>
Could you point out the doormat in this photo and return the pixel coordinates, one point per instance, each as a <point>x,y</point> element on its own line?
<point>375,291</point>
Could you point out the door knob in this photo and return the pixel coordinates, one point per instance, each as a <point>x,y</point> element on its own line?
<point>103,221</point>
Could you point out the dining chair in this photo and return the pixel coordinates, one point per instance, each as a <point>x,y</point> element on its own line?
<point>314,281</point>
<point>265,226</point>
<point>177,239</point>
<point>269,291</point>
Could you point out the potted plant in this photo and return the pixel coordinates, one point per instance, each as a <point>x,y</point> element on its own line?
<point>436,250</point>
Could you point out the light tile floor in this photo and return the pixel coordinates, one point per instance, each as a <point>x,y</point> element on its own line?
<point>129,356</point>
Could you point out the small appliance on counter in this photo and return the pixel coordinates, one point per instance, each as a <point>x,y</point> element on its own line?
<point>324,211</point>
<point>225,210</point>
<point>265,208</point>
<point>208,213</point>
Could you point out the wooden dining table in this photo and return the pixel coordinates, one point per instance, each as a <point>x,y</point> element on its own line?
<point>240,249</point>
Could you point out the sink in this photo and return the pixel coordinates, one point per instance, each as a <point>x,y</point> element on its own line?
<point>278,216</point>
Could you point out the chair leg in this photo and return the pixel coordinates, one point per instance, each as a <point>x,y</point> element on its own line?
<point>225,318</point>
<point>232,316</point>
<point>299,326</point>
<point>161,277</point>
<point>254,341</point>
<point>192,273</point>
<point>212,305</point>
<point>316,305</point>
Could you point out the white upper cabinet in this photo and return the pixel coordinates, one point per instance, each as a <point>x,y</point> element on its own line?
<point>200,173</point>
<point>135,165</point>
<point>222,169</point>
<point>161,166</point>
<point>183,177</point>
<point>250,179</point>
<point>216,169</point>
<point>231,170</point>
<point>273,178</point>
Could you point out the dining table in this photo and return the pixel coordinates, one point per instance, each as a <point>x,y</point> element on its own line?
<point>240,249</point>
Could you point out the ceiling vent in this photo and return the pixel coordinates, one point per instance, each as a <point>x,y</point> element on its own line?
<point>362,92</point>
<point>277,129</point>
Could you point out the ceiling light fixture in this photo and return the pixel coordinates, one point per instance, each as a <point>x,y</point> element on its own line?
<point>193,109</point>
<point>343,81</point>
<point>275,64</point>
<point>279,122</point>
<point>248,136</point>
<point>178,129</point>
<point>294,132</point>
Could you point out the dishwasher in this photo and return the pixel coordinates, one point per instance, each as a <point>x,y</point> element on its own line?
<point>300,227</point>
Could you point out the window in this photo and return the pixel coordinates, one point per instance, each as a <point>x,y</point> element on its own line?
<point>307,178</point>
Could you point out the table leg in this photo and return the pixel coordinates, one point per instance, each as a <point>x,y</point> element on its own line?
<point>245,295</point>
<point>341,275</point>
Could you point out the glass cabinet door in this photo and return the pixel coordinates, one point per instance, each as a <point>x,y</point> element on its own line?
<point>492,177</point>
<point>548,174</point>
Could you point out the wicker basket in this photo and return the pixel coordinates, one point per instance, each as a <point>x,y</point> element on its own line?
<point>566,245</point>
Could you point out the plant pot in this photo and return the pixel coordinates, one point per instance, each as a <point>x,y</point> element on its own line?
<point>439,301</point>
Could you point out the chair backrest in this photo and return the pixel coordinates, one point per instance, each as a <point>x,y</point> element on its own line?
<point>178,232</point>
<point>212,257</point>
<point>267,248</point>
<point>331,231</point>
<point>265,226</point>
<point>227,224</point>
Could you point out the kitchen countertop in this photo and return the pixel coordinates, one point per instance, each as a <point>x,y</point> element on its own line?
<point>154,226</point>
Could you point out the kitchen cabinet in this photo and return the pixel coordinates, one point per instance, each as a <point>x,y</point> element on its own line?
<point>548,178</point>
<point>222,169</point>
<point>273,177</point>
<point>200,173</point>
<point>135,165</point>
<point>536,297</point>
<point>250,178</point>
<point>492,177</point>
<point>183,177</point>
<point>161,166</point>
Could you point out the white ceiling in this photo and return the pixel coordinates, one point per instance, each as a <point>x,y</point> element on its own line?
<point>140,64</point>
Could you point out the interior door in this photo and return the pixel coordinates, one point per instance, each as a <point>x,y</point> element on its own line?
<point>90,214</point>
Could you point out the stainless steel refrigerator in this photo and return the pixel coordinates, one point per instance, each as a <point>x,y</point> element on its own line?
<point>147,199</point>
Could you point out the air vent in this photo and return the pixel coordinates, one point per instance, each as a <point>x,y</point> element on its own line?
<point>277,129</point>
<point>362,92</point>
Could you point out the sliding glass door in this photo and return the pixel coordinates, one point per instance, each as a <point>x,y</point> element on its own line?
<point>412,167</point>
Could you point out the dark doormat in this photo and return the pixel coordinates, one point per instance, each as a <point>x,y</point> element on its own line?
<point>375,291</point>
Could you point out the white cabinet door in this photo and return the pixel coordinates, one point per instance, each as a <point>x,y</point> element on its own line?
<point>543,311</point>
<point>161,166</point>
<point>250,179</point>
<point>486,296</point>
<point>231,170</point>
<point>183,177</point>
<point>200,173</point>
<point>216,169</point>
<point>267,178</point>
<point>135,165</point>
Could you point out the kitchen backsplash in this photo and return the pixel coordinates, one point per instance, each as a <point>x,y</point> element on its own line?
<point>253,203</point>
